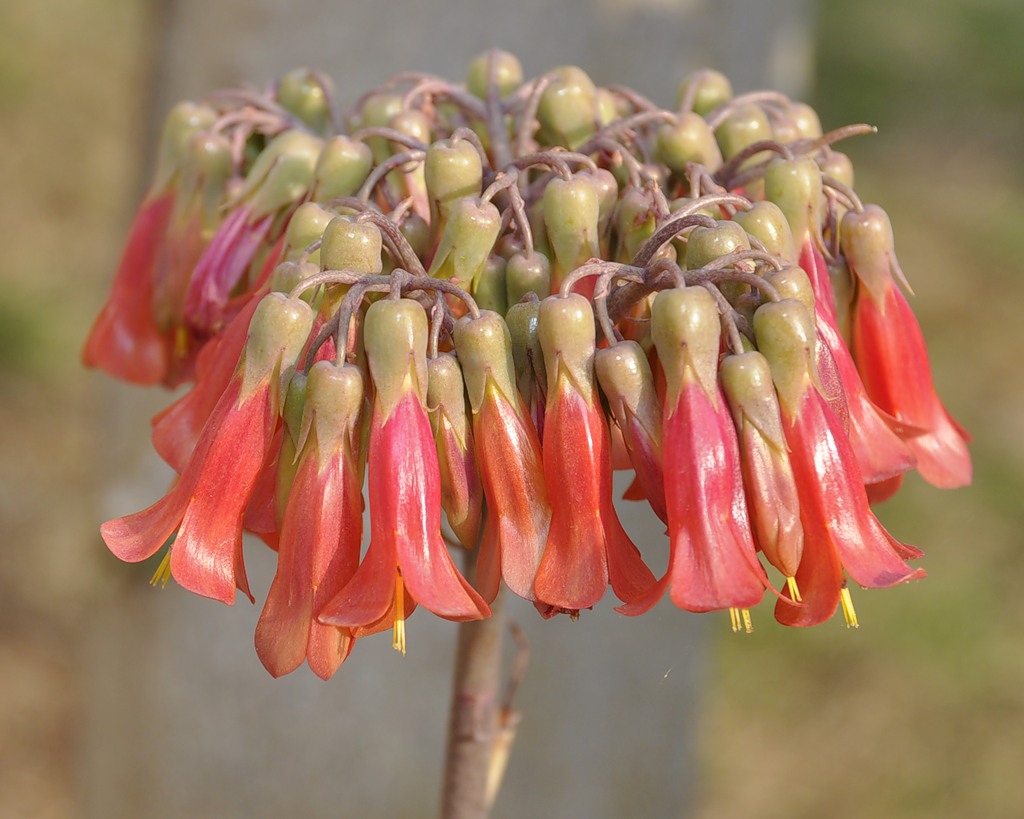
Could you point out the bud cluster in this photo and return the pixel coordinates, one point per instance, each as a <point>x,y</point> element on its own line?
<point>478,300</point>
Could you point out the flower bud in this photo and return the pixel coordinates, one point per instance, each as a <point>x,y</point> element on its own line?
<point>341,168</point>
<point>743,127</point>
<point>635,222</point>
<point>568,108</point>
<point>452,170</point>
<point>767,223</point>
<point>489,288</point>
<point>484,349</point>
<point>469,236</point>
<point>527,273</point>
<point>377,111</point>
<point>287,275</point>
<point>305,227</point>
<point>307,94</point>
<point>282,173</point>
<point>183,121</point>
<point>508,73</point>
<point>277,333</point>
<point>686,330</point>
<point>795,186</point>
<point>571,211</point>
<point>350,245</point>
<point>395,338</point>
<point>712,89</point>
<point>705,244</point>
<point>837,165</point>
<point>335,400</point>
<point>786,337</point>
<point>793,283</point>
<point>565,328</point>
<point>867,242</point>
<point>687,140</point>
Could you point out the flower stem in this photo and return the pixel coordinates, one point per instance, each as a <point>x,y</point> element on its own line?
<point>473,725</point>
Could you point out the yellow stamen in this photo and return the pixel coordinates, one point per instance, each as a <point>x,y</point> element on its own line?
<point>848,610</point>
<point>398,632</point>
<point>748,625</point>
<point>163,572</point>
<point>794,590</point>
<point>734,615</point>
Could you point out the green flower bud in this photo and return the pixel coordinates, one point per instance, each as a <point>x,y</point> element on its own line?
<point>278,331</point>
<point>489,288</point>
<point>687,334</point>
<point>808,125</point>
<point>377,111</point>
<point>868,244</point>
<point>452,171</point>
<point>508,73</point>
<point>744,126</point>
<point>417,233</point>
<point>349,245</point>
<point>285,277</point>
<point>467,241</point>
<point>565,327</point>
<point>795,186</point>
<point>306,226</point>
<point>484,349</point>
<point>626,380</point>
<point>766,222</point>
<point>635,222</point>
<point>837,165</point>
<point>282,173</point>
<point>793,283</point>
<point>607,107</point>
<point>395,339</point>
<point>712,89</point>
<point>183,121</point>
<point>786,337</point>
<point>342,168</point>
<point>568,108</point>
<point>707,244</point>
<point>571,211</point>
<point>307,95</point>
<point>607,197</point>
<point>689,139</point>
<point>527,273</point>
<point>527,356</point>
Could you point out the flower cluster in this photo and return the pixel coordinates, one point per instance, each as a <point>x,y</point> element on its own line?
<point>488,297</point>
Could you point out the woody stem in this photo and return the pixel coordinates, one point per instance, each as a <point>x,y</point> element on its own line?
<point>473,725</point>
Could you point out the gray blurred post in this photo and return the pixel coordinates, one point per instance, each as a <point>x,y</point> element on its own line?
<point>181,719</point>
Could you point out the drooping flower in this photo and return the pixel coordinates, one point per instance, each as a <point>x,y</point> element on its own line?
<point>586,546</point>
<point>406,549</point>
<point>890,351</point>
<point>322,530</point>
<point>509,456</point>
<point>840,531</point>
<point>712,559</point>
<point>206,504</point>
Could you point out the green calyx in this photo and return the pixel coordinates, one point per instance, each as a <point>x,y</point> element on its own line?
<point>786,338</point>
<point>307,94</point>
<point>707,89</point>
<point>507,70</point>
<point>705,244</point>
<point>304,228</point>
<point>333,410</point>
<point>624,375</point>
<point>527,356</point>
<point>452,171</point>
<point>686,331</point>
<point>795,186</point>
<point>182,122</point>
<point>526,273</point>
<point>490,287</point>
<point>793,283</point>
<point>468,239</point>
<point>566,331</point>
<point>288,274</point>
<point>446,395</point>
<point>572,208</point>
<point>341,168</point>
<point>484,348</point>
<point>743,127</point>
<point>278,331</point>
<point>568,111</point>
<point>282,173</point>
<point>687,140</point>
<point>766,222</point>
<point>869,247</point>
<point>351,245</point>
<point>747,382</point>
<point>395,340</point>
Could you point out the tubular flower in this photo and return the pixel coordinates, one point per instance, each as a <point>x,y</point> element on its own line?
<point>322,529</point>
<point>626,380</point>
<point>767,474</point>
<point>586,545</point>
<point>840,531</point>
<point>206,504</point>
<point>891,353</point>
<point>508,453</point>
<point>406,549</point>
<point>712,560</point>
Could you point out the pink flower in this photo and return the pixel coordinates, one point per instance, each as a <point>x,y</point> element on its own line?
<point>206,505</point>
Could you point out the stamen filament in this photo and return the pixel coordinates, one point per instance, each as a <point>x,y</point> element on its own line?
<point>163,572</point>
<point>794,590</point>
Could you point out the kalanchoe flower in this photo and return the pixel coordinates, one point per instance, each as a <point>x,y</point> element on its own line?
<point>461,490</point>
<point>278,179</point>
<point>891,353</point>
<point>406,549</point>
<point>571,211</point>
<point>627,382</point>
<point>840,531</point>
<point>586,545</point>
<point>322,530</point>
<point>206,504</point>
<point>767,475</point>
<point>712,561</point>
<point>508,453</point>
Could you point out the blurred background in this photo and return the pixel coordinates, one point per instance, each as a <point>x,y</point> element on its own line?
<point>918,713</point>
